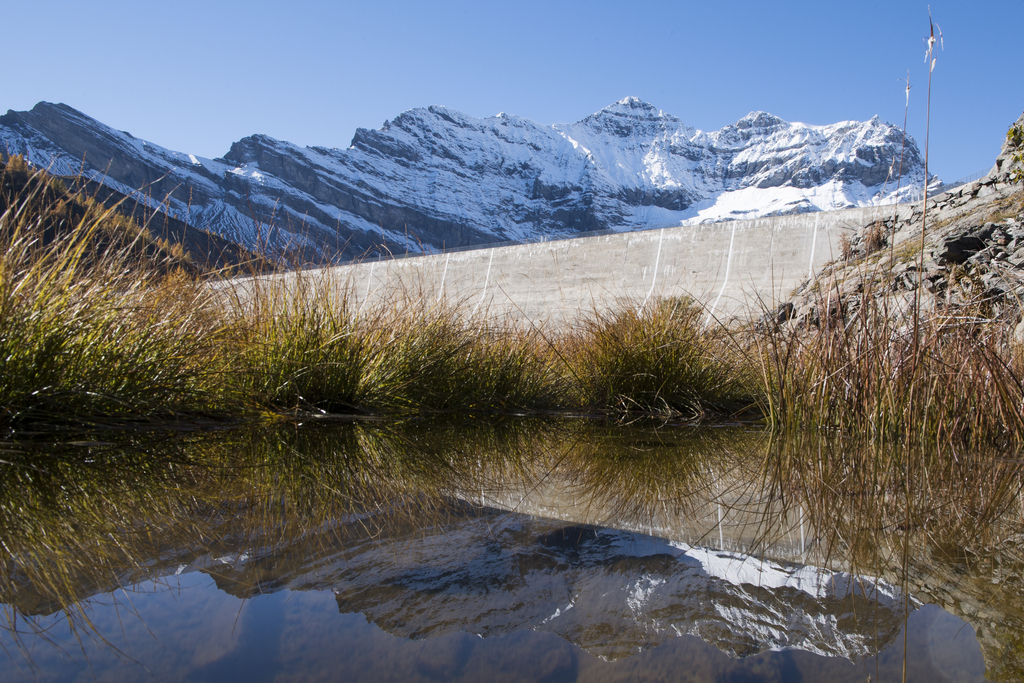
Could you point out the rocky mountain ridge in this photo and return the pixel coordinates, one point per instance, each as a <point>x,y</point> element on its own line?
<point>434,178</point>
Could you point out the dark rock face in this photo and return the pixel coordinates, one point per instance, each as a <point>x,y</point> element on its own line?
<point>72,134</point>
<point>958,249</point>
<point>629,119</point>
<point>434,178</point>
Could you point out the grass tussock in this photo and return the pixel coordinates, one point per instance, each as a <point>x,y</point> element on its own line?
<point>93,325</point>
<point>659,359</point>
<point>958,381</point>
<point>302,346</point>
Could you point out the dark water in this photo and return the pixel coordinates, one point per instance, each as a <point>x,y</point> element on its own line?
<point>533,551</point>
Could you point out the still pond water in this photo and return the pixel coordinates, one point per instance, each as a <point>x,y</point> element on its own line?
<point>527,550</point>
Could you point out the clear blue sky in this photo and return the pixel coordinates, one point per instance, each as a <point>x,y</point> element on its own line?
<point>196,76</point>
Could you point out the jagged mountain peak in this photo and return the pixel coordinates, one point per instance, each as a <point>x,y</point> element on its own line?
<point>631,106</point>
<point>628,117</point>
<point>433,116</point>
<point>760,119</point>
<point>50,112</point>
<point>58,108</point>
<point>249,149</point>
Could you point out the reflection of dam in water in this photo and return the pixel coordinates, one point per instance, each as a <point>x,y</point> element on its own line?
<point>730,267</point>
<point>732,516</point>
<point>749,542</point>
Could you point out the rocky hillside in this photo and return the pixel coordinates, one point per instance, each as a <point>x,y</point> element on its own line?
<point>435,178</point>
<point>973,255</point>
<point>58,207</point>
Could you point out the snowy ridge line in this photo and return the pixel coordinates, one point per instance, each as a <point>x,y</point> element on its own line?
<point>434,177</point>
<point>740,569</point>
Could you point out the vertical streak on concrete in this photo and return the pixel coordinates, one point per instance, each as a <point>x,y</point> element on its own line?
<point>814,243</point>
<point>440,289</point>
<point>369,281</point>
<point>721,536</point>
<point>728,263</point>
<point>803,547</point>
<point>718,496</point>
<point>487,278</point>
<point>654,275</point>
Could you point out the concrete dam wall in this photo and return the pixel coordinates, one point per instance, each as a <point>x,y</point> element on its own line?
<point>733,268</point>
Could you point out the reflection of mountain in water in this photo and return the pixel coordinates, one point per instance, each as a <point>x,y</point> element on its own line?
<point>613,593</point>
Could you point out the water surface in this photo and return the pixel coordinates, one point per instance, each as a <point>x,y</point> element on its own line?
<point>522,550</point>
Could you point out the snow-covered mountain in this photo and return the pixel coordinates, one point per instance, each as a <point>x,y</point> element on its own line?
<point>434,178</point>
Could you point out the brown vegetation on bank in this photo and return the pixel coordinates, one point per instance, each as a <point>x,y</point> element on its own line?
<point>101,323</point>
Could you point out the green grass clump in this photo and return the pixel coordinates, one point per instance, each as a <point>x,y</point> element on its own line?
<point>660,359</point>
<point>513,369</point>
<point>438,359</point>
<point>301,346</point>
<point>297,349</point>
<point>92,330</point>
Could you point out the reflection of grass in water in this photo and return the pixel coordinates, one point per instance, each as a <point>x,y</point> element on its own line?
<point>640,472</point>
<point>83,520</point>
<point>79,521</point>
<point>851,489</point>
<point>89,509</point>
<point>945,526</point>
<point>75,521</point>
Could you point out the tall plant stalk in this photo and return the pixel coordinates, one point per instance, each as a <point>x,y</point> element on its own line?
<point>899,175</point>
<point>930,60</point>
